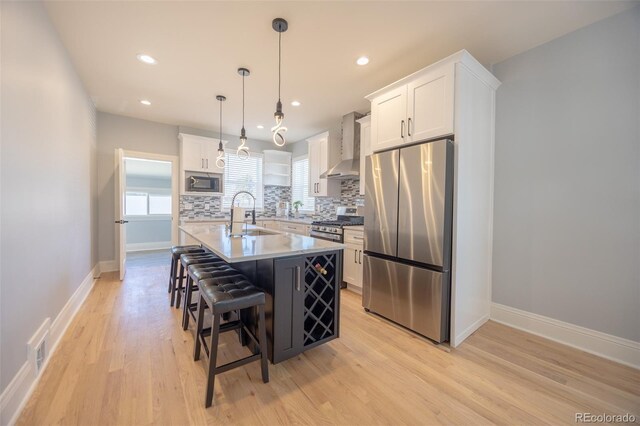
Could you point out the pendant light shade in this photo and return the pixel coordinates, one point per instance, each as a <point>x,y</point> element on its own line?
<point>243,149</point>
<point>280,26</point>
<point>220,157</point>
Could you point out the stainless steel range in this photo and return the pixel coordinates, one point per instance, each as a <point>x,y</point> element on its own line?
<point>332,230</point>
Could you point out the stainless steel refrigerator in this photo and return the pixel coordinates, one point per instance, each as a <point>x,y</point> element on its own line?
<point>408,227</point>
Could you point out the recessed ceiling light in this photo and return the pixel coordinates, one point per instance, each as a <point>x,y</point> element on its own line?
<point>295,103</point>
<point>146,59</point>
<point>362,60</point>
<point>145,102</point>
<point>260,126</point>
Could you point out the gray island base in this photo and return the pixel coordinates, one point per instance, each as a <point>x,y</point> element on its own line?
<point>301,284</point>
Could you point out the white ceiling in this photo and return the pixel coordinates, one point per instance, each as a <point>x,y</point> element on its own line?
<point>199,46</point>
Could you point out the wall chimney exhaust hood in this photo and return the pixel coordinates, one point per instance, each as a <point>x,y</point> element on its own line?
<point>349,166</point>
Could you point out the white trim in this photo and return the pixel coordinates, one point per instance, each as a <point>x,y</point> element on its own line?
<point>108,266</point>
<point>457,339</point>
<point>149,246</point>
<point>605,345</point>
<point>17,393</point>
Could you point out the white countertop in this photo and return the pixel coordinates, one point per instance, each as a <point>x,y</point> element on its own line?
<point>216,238</point>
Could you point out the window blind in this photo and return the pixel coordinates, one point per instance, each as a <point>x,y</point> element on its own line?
<point>300,183</point>
<point>243,175</point>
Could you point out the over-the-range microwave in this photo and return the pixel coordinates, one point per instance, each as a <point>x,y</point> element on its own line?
<point>199,182</point>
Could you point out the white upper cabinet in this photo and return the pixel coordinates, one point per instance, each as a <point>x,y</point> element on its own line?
<point>365,147</point>
<point>198,154</point>
<point>430,105</point>
<point>324,152</point>
<point>418,107</point>
<point>390,109</point>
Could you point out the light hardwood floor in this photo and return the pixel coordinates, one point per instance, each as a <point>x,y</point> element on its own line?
<point>125,360</point>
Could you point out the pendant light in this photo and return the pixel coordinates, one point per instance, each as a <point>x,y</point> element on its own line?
<point>280,26</point>
<point>243,149</point>
<point>220,158</point>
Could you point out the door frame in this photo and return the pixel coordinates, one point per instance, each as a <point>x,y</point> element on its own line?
<point>175,191</point>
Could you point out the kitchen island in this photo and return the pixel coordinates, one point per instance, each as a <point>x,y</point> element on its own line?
<point>300,276</point>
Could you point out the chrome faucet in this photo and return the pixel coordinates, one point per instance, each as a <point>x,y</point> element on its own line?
<point>253,212</point>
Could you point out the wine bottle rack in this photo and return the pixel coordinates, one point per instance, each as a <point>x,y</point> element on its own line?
<point>320,289</point>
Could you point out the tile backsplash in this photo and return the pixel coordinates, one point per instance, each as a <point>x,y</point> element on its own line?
<point>201,207</point>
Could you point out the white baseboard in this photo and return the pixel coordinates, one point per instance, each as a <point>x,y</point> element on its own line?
<point>149,246</point>
<point>108,266</point>
<point>605,345</point>
<point>458,338</point>
<point>17,393</point>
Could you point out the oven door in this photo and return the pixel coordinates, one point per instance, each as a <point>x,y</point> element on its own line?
<point>326,236</point>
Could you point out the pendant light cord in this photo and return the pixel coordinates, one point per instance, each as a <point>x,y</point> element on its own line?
<point>279,61</point>
<point>243,100</point>
<point>220,141</point>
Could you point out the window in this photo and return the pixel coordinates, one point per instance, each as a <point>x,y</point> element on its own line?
<point>144,204</point>
<point>300,184</point>
<point>242,175</point>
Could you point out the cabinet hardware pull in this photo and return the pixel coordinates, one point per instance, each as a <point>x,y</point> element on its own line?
<point>355,259</point>
<point>402,129</point>
<point>208,159</point>
<point>202,163</point>
<point>355,237</point>
<point>361,257</point>
<point>297,278</point>
<point>409,126</point>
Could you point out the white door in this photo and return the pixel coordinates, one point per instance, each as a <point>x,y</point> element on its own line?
<point>120,209</point>
<point>192,155</point>
<point>430,105</point>
<point>314,168</point>
<point>350,268</point>
<point>323,165</point>
<point>388,119</point>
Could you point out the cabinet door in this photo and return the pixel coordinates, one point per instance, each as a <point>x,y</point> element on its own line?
<point>210,154</point>
<point>365,149</point>
<point>359,267</point>
<point>350,264</point>
<point>323,164</point>
<point>288,301</point>
<point>314,168</point>
<point>430,105</point>
<point>192,155</point>
<point>388,119</point>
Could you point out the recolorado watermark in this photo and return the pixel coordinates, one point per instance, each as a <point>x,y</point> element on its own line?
<point>605,418</point>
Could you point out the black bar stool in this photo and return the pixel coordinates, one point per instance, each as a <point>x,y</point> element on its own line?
<point>185,261</point>
<point>195,273</point>
<point>223,295</point>
<point>176,252</point>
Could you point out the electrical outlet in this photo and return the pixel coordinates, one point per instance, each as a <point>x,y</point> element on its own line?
<point>41,355</point>
<point>37,346</point>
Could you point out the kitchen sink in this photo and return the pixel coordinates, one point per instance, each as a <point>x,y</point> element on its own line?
<point>261,232</point>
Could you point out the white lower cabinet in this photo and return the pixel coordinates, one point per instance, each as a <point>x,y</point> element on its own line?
<point>353,257</point>
<point>294,228</point>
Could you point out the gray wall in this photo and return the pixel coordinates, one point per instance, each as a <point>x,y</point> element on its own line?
<point>115,131</point>
<point>48,181</point>
<point>567,178</point>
